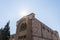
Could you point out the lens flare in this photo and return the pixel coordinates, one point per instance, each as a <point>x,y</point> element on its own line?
<point>22,13</point>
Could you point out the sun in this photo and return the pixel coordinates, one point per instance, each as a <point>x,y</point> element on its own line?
<point>23,10</point>
<point>22,13</point>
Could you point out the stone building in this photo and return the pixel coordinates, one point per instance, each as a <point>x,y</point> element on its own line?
<point>59,38</point>
<point>30,28</point>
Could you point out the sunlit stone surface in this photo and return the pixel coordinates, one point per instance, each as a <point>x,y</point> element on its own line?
<point>30,28</point>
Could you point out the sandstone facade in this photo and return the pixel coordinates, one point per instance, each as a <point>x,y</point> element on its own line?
<point>30,28</point>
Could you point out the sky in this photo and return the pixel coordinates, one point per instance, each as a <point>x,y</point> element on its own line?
<point>47,11</point>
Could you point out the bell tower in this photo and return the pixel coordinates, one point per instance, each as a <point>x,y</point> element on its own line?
<point>24,27</point>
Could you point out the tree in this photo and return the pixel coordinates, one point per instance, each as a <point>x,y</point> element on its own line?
<point>1,34</point>
<point>6,31</point>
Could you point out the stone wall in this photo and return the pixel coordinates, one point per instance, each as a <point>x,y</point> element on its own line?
<point>35,30</point>
<point>12,37</point>
<point>41,31</point>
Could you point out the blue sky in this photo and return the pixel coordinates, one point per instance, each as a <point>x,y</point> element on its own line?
<point>47,11</point>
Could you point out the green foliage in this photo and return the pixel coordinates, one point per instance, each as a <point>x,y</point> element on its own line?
<point>5,33</point>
